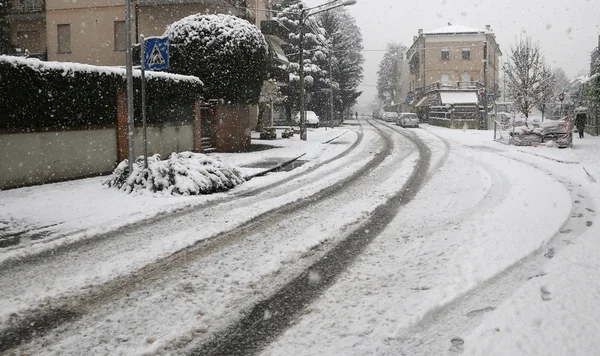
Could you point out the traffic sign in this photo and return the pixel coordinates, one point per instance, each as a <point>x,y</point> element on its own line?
<point>156,53</point>
<point>482,91</point>
<point>561,97</point>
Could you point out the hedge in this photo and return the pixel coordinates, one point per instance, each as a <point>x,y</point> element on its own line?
<point>36,94</point>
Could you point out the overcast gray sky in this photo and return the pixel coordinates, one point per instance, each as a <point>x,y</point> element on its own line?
<point>566,30</point>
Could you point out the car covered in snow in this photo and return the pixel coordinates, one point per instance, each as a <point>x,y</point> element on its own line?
<point>389,116</point>
<point>312,120</point>
<point>408,119</point>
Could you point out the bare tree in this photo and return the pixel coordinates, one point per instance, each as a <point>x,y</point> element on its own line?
<point>561,81</point>
<point>526,75</point>
<point>547,89</point>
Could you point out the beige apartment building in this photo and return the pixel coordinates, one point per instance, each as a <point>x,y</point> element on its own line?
<point>94,32</point>
<point>453,57</point>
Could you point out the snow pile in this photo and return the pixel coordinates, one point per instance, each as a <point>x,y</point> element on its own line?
<point>184,173</point>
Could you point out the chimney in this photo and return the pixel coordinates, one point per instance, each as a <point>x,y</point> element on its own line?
<point>488,27</point>
<point>420,31</point>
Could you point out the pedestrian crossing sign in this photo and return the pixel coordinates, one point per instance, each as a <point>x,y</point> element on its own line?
<point>156,53</point>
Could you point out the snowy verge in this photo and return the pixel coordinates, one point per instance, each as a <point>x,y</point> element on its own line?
<point>184,173</point>
<point>49,215</point>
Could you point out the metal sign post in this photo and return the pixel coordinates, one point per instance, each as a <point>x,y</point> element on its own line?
<point>143,69</point>
<point>154,55</point>
<point>129,74</point>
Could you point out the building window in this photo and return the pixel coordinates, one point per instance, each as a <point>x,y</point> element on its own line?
<point>445,54</point>
<point>120,36</point>
<point>466,53</point>
<point>64,38</point>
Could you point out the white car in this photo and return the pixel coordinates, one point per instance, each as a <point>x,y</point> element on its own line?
<point>390,116</point>
<point>312,120</point>
<point>408,119</point>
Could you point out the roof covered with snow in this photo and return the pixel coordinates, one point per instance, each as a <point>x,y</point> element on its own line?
<point>453,29</point>
<point>459,97</point>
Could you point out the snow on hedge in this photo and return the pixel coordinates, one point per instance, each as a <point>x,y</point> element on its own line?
<point>70,68</point>
<point>184,173</point>
<point>227,32</point>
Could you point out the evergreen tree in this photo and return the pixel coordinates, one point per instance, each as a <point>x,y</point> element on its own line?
<point>316,59</point>
<point>345,38</point>
<point>388,75</point>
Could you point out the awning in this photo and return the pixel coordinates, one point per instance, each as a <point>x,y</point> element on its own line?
<point>276,47</point>
<point>459,97</point>
<point>422,102</point>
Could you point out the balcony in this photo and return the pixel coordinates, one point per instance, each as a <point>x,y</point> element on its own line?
<point>27,10</point>
<point>28,6</point>
<point>467,86</point>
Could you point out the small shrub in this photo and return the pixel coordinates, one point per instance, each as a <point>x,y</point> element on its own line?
<point>184,173</point>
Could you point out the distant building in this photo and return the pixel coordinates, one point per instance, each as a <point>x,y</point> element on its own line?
<point>451,59</point>
<point>94,32</point>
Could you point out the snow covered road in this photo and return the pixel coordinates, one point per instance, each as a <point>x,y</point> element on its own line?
<point>416,242</point>
<point>82,277</point>
<point>412,291</point>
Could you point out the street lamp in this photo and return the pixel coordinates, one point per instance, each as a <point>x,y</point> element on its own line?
<point>304,14</point>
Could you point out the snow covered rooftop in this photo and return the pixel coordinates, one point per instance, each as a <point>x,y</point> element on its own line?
<point>451,29</point>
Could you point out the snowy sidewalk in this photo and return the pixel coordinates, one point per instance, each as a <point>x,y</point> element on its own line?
<point>84,208</point>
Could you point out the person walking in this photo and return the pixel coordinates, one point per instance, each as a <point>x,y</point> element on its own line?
<point>580,121</point>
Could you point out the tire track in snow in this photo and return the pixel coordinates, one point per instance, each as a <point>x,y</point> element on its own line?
<point>439,332</point>
<point>271,317</point>
<point>68,246</point>
<point>57,311</point>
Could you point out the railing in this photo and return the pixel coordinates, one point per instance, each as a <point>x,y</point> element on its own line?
<point>451,85</point>
<point>25,6</point>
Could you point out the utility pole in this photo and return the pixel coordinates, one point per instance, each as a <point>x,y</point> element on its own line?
<point>129,73</point>
<point>302,109</point>
<point>331,83</point>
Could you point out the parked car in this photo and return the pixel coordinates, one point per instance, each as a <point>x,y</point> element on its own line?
<point>312,120</point>
<point>390,116</point>
<point>408,119</point>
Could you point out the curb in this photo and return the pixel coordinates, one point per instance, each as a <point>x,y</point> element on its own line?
<point>265,172</point>
<point>335,138</point>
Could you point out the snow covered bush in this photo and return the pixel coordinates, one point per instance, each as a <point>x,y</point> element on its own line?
<point>228,53</point>
<point>184,173</point>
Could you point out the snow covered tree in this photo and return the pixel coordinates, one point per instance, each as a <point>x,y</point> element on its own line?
<point>315,62</point>
<point>345,38</point>
<point>388,75</point>
<point>547,89</point>
<point>526,75</point>
<point>5,45</point>
<point>561,81</point>
<point>227,53</point>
